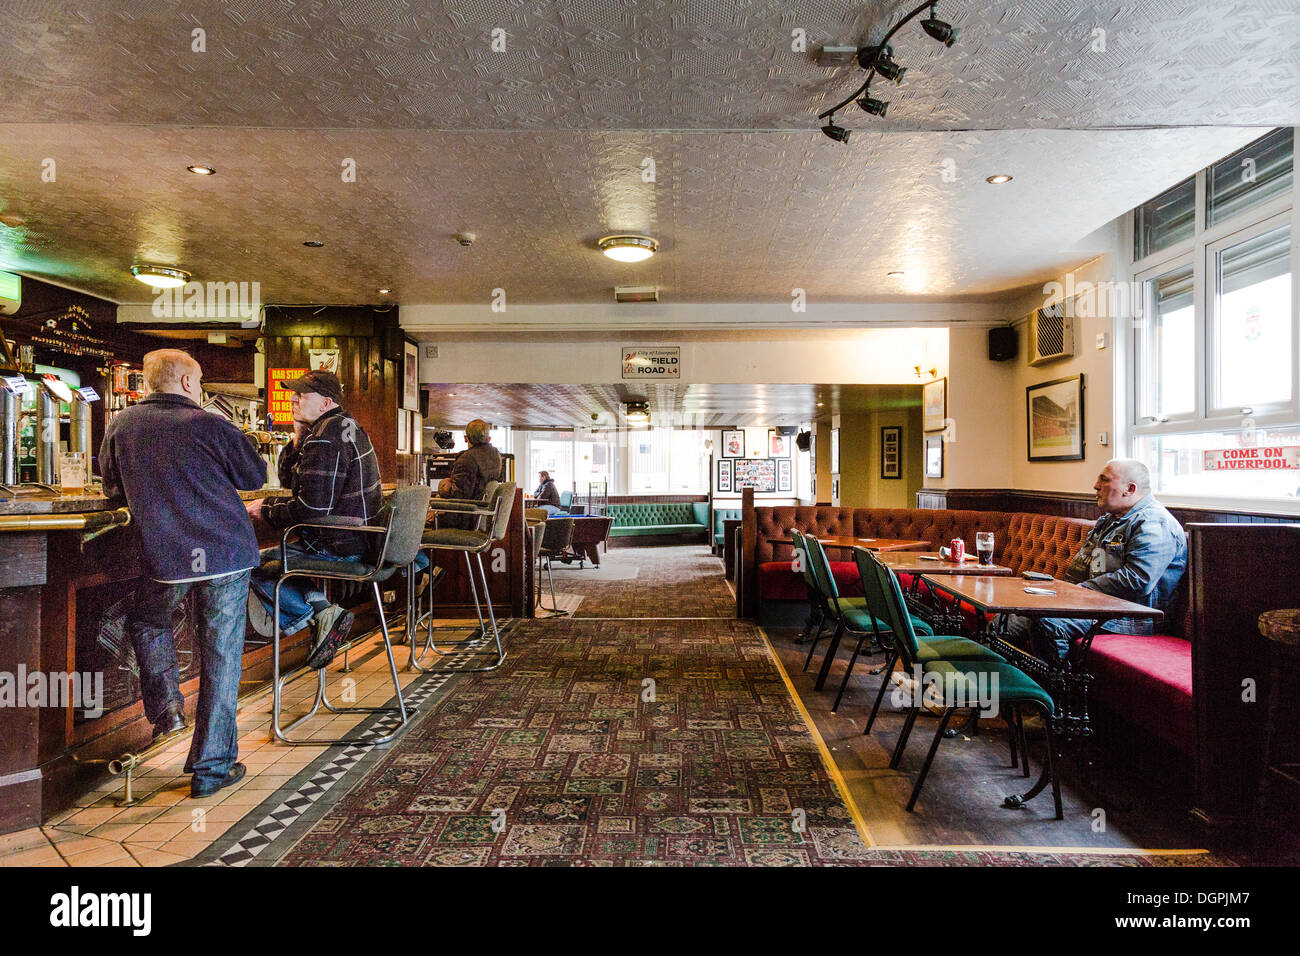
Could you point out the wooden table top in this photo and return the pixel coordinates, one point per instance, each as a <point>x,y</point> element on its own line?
<point>871,544</point>
<point>1000,595</point>
<point>1282,626</point>
<point>930,562</point>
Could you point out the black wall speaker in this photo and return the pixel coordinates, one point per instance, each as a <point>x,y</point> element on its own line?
<point>424,402</point>
<point>1002,343</point>
<point>393,341</point>
<point>803,441</point>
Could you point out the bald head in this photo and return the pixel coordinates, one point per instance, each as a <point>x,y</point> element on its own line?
<point>1122,484</point>
<point>173,372</point>
<point>478,432</point>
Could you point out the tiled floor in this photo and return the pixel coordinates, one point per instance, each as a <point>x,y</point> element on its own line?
<point>165,825</point>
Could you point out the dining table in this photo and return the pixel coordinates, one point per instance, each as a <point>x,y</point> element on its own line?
<point>996,597</point>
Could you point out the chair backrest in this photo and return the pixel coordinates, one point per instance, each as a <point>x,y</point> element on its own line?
<point>822,575</point>
<point>502,501</point>
<point>538,515</point>
<point>873,591</point>
<point>804,559</point>
<point>895,613</point>
<point>566,498</point>
<point>558,535</point>
<point>407,511</point>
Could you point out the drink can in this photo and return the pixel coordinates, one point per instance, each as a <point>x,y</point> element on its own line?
<point>958,549</point>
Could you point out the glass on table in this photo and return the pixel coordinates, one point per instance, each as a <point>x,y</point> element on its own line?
<point>984,547</point>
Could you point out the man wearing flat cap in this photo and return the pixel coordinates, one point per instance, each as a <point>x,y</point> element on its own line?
<point>332,471</point>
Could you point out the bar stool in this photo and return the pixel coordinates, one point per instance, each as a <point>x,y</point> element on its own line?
<point>472,544</point>
<point>401,542</point>
<point>557,534</point>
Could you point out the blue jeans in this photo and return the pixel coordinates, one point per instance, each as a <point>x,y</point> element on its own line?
<point>1047,637</point>
<point>221,609</point>
<point>555,510</point>
<point>296,594</point>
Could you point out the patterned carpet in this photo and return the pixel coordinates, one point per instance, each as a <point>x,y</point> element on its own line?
<point>679,581</point>
<point>558,760</point>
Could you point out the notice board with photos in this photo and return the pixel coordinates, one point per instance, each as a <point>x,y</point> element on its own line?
<point>756,473</point>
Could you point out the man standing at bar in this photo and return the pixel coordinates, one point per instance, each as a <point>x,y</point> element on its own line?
<point>180,470</point>
<point>333,472</point>
<point>1136,551</point>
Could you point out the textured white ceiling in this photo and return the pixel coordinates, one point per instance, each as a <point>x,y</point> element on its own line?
<point>741,217</point>
<point>643,64</point>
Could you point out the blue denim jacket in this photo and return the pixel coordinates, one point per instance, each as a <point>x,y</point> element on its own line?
<point>1139,556</point>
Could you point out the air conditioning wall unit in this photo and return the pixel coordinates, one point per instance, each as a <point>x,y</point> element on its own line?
<point>1051,333</point>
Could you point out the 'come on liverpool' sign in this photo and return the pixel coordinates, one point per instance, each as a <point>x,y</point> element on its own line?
<point>1253,459</point>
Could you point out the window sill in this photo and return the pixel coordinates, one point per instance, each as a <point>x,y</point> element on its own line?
<point>1273,507</point>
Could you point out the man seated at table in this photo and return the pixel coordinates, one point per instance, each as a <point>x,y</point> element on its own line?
<point>1136,551</point>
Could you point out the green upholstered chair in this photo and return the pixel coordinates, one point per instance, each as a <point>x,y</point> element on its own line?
<point>965,681</point>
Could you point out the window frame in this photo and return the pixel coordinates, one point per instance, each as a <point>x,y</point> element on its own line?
<point>1205,243</point>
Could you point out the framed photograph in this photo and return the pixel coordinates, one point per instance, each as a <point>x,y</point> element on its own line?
<point>835,488</point>
<point>1054,420</point>
<point>410,376</point>
<point>417,434</point>
<point>733,443</point>
<point>724,475</point>
<point>403,427</point>
<point>756,473</point>
<point>934,456</point>
<point>784,475</point>
<point>934,405</point>
<point>835,451</point>
<point>778,446</point>
<point>891,460</point>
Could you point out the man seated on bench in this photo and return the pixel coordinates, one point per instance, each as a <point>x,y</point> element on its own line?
<point>1136,551</point>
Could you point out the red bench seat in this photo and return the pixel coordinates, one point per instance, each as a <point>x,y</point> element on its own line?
<point>1148,679</point>
<point>778,581</point>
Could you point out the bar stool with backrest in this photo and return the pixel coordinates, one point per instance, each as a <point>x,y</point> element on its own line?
<point>472,544</point>
<point>557,534</point>
<point>1015,689</point>
<point>405,516</point>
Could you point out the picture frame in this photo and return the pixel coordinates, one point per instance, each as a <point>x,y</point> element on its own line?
<point>417,433</point>
<point>934,405</point>
<point>778,445</point>
<point>934,456</point>
<point>733,443</point>
<point>835,488</point>
<point>835,451</point>
<point>784,475</point>
<point>756,473</point>
<point>403,423</point>
<point>724,476</point>
<point>891,458</point>
<point>410,376</point>
<point>1054,420</point>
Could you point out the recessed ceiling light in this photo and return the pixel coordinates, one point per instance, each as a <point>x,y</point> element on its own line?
<point>628,248</point>
<point>820,404</point>
<point>385,291</point>
<point>999,179</point>
<point>894,275</point>
<point>201,170</point>
<point>160,277</point>
<point>313,243</point>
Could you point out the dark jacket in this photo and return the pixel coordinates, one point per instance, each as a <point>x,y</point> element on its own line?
<point>547,493</point>
<point>333,471</point>
<point>180,469</point>
<point>474,468</point>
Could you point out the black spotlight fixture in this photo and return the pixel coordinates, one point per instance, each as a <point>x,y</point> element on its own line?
<point>940,30</point>
<point>837,133</point>
<point>884,65</point>
<point>873,106</point>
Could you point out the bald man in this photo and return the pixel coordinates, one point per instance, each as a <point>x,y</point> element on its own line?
<point>180,470</point>
<point>475,466</point>
<point>1136,551</point>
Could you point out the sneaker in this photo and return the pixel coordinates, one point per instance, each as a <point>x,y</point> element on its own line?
<point>332,627</point>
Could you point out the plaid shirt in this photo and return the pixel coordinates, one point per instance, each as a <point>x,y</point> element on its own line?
<point>1139,556</point>
<point>333,470</point>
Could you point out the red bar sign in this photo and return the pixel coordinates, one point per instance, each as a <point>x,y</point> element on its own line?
<point>1253,459</point>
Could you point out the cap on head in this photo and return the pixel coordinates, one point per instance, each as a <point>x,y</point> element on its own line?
<point>323,383</point>
<point>478,432</point>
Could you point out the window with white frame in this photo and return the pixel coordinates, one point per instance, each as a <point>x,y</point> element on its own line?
<point>1215,372</point>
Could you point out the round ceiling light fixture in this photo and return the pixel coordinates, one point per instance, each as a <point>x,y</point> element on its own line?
<point>200,170</point>
<point>160,277</point>
<point>385,291</point>
<point>313,244</point>
<point>637,412</point>
<point>629,248</point>
<point>999,179</point>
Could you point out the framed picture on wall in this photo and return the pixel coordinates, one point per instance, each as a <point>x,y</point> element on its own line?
<point>934,456</point>
<point>724,475</point>
<point>733,443</point>
<point>835,488</point>
<point>403,423</point>
<point>410,376</point>
<point>1054,420</point>
<point>934,405</point>
<point>778,446</point>
<point>784,475</point>
<point>417,433</point>
<point>891,443</point>
<point>756,473</point>
<point>835,451</point>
